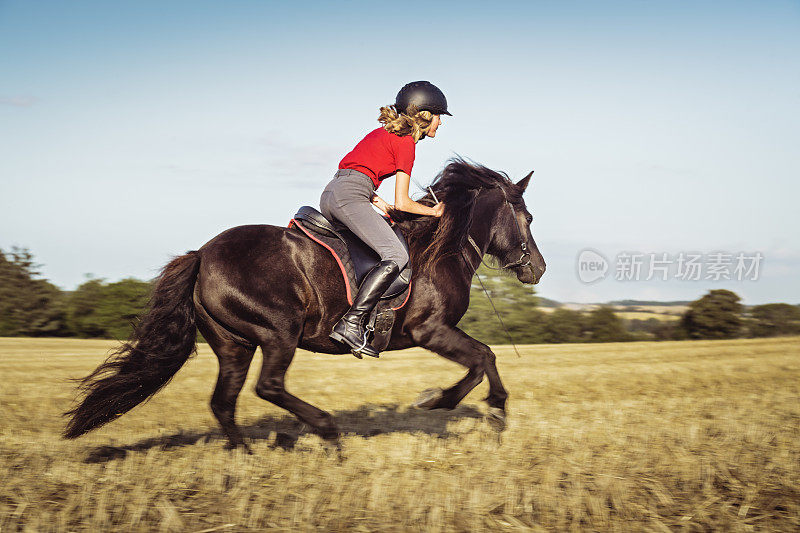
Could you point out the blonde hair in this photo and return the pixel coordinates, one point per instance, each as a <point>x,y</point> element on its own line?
<point>412,122</point>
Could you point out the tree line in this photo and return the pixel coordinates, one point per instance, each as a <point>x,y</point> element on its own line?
<point>34,307</point>
<point>718,314</point>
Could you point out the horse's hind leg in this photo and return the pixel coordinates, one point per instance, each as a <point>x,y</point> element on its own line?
<point>234,360</point>
<point>278,355</point>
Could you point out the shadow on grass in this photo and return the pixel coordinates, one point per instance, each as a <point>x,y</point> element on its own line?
<point>366,421</point>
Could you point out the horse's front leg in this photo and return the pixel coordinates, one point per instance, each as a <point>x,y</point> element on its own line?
<point>452,343</point>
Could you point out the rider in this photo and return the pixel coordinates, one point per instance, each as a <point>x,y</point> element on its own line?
<point>383,152</point>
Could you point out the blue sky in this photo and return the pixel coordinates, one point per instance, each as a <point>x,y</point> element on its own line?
<point>133,131</point>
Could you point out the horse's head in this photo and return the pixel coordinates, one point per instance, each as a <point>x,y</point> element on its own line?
<point>480,205</point>
<point>510,239</point>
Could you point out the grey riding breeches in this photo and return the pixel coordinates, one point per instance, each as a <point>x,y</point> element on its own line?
<point>347,199</point>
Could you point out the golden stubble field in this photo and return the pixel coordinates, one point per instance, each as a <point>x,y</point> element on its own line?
<point>613,437</point>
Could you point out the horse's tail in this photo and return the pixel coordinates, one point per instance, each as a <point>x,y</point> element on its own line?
<point>162,341</point>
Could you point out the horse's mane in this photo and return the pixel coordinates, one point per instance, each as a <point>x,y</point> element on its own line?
<point>458,186</point>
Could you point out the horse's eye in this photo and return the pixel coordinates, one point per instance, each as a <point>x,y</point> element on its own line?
<point>529,218</point>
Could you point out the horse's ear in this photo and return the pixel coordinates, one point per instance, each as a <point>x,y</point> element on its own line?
<point>523,183</point>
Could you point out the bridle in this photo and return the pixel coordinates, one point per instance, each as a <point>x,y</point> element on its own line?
<point>524,259</point>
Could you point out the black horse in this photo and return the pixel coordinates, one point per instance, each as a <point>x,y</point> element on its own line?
<point>273,287</point>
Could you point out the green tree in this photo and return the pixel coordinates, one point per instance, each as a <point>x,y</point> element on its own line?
<point>28,306</point>
<point>516,303</point>
<point>123,303</point>
<point>81,306</point>
<point>564,325</point>
<point>605,326</point>
<point>653,328</point>
<point>649,325</point>
<point>717,315</point>
<point>99,309</point>
<point>769,320</point>
<point>670,330</point>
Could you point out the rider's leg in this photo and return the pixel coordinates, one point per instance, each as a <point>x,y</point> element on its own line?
<point>351,328</point>
<point>347,199</point>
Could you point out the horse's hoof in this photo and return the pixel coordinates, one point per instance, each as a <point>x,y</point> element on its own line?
<point>428,398</point>
<point>234,446</point>
<point>496,418</point>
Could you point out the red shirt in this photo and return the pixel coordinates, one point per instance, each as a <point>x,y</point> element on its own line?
<point>381,154</point>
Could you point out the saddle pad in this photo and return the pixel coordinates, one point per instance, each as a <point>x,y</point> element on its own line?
<point>340,253</point>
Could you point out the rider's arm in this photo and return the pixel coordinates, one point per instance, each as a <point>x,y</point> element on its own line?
<point>403,202</point>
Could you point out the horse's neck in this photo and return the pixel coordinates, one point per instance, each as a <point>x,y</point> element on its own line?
<point>479,233</point>
<point>475,248</point>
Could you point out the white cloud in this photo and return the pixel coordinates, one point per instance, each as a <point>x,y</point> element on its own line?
<point>18,101</point>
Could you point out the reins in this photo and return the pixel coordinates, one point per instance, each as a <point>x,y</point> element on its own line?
<point>496,313</point>
<point>518,263</point>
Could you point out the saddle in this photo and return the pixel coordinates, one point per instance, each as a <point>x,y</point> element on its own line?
<point>355,260</point>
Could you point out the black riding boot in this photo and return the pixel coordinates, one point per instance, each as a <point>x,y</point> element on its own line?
<point>350,329</point>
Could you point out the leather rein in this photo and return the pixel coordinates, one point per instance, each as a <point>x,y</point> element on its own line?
<point>524,259</point>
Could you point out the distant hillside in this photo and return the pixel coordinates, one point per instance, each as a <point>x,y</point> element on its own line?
<point>653,306</point>
<point>650,302</point>
<point>547,302</point>
<point>625,308</point>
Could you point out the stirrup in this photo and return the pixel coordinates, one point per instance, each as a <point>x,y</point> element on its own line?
<point>357,351</point>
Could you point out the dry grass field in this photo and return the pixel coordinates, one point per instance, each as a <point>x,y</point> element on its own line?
<point>665,436</point>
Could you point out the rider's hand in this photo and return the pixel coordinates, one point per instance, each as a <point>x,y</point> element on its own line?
<point>381,204</point>
<point>438,209</point>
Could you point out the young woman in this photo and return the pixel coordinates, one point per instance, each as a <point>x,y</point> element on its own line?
<point>349,196</point>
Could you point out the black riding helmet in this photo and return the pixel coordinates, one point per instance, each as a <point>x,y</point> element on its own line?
<point>424,95</point>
